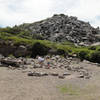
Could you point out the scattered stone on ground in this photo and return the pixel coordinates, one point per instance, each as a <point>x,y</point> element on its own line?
<point>56,63</point>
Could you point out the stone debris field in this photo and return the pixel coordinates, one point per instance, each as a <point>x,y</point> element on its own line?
<point>66,78</point>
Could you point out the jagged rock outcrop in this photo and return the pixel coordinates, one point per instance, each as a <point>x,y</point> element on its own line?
<point>62,28</point>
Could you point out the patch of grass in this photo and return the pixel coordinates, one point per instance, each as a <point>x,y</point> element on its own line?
<point>11,55</point>
<point>67,89</point>
<point>68,43</point>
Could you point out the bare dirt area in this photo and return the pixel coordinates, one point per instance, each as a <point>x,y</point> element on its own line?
<point>15,84</point>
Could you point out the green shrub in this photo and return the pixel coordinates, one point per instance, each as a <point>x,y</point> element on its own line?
<point>24,33</point>
<point>83,54</point>
<point>14,30</point>
<point>98,49</point>
<point>92,48</point>
<point>39,49</point>
<point>60,52</point>
<point>95,56</point>
<point>4,34</point>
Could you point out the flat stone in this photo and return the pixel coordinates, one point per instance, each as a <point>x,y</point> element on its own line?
<point>81,76</point>
<point>65,74</point>
<point>30,74</point>
<point>54,74</point>
<point>61,76</point>
<point>44,74</point>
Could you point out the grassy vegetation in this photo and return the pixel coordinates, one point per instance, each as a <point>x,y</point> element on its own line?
<point>67,89</point>
<point>18,36</point>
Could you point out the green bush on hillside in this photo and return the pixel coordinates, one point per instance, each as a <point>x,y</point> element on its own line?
<point>83,54</point>
<point>92,48</point>
<point>39,49</point>
<point>98,49</point>
<point>14,30</point>
<point>95,56</point>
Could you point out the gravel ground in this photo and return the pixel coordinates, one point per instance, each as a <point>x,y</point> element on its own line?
<point>16,85</point>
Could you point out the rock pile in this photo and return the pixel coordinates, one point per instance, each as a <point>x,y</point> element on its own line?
<point>56,62</point>
<point>61,28</point>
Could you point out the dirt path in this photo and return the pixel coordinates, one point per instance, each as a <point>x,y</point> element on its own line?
<point>16,85</point>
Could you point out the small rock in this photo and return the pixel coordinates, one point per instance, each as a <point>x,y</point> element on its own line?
<point>54,74</point>
<point>81,76</point>
<point>43,74</point>
<point>87,77</point>
<point>61,76</point>
<point>36,74</point>
<point>65,74</point>
<point>69,68</point>
<point>30,74</point>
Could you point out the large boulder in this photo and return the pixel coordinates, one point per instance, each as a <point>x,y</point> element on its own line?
<point>20,51</point>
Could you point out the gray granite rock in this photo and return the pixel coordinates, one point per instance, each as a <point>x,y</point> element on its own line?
<point>62,28</point>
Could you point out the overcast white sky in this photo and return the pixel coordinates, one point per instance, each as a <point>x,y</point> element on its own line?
<point>14,12</point>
